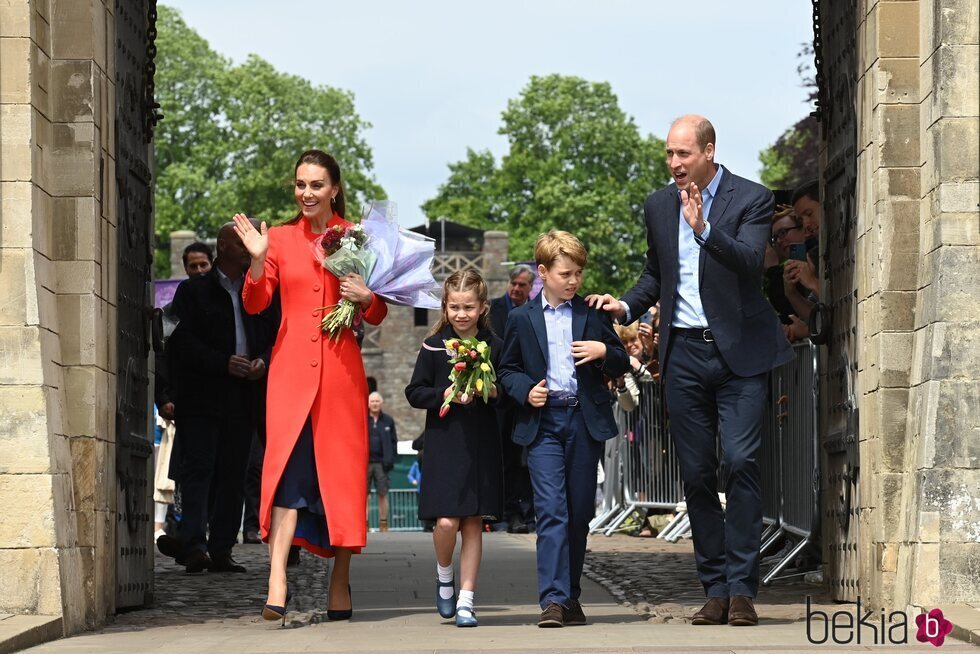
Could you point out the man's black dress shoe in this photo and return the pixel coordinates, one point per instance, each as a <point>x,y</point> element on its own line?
<point>197,561</point>
<point>251,538</point>
<point>224,563</point>
<point>170,546</point>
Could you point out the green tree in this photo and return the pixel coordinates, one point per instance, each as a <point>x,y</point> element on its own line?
<point>575,162</point>
<point>231,134</point>
<point>794,158</point>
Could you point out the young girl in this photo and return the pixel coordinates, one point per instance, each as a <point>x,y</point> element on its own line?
<point>463,474</point>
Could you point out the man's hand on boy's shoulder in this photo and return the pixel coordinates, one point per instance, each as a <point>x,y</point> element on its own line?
<point>607,303</point>
<point>586,351</point>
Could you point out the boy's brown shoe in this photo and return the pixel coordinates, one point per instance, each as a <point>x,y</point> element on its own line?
<point>714,611</point>
<point>574,615</point>
<point>552,616</point>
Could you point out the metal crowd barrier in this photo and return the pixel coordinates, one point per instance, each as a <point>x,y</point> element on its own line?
<point>642,470</point>
<point>792,426</point>
<point>403,510</point>
<point>641,467</point>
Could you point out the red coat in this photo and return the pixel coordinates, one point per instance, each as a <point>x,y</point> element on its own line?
<point>312,375</point>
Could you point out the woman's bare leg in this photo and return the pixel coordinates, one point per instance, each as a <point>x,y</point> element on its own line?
<point>470,552</point>
<point>338,599</point>
<point>281,533</point>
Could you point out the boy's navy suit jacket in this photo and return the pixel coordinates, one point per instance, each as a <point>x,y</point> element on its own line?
<point>524,363</point>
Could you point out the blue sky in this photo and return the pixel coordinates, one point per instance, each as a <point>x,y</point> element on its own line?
<point>432,77</point>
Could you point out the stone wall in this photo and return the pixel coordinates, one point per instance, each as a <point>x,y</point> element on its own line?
<point>57,243</point>
<point>918,251</point>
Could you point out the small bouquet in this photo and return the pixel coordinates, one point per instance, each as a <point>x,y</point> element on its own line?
<point>471,371</point>
<point>343,250</point>
<point>394,262</point>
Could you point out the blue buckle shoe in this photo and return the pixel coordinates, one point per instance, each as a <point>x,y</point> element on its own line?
<point>465,617</point>
<point>447,607</point>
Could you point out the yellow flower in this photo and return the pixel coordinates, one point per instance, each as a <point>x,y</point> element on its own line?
<point>485,367</point>
<point>479,385</point>
<point>481,347</point>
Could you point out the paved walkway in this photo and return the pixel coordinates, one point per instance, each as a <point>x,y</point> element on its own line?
<point>393,607</point>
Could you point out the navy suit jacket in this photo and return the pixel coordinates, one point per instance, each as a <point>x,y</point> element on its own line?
<point>524,363</point>
<point>745,327</point>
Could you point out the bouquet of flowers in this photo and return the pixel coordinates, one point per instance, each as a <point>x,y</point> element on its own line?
<point>472,370</point>
<point>344,251</point>
<point>395,264</point>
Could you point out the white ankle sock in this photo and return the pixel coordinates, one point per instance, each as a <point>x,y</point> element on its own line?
<point>445,576</point>
<point>465,600</point>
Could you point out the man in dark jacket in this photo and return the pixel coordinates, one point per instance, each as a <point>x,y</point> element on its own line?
<point>216,359</point>
<point>382,446</point>
<point>518,498</point>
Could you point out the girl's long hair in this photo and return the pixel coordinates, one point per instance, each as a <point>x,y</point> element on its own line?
<point>324,160</point>
<point>462,281</point>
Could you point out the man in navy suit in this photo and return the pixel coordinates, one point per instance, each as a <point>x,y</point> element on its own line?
<point>557,351</point>
<point>719,338</point>
<point>518,509</point>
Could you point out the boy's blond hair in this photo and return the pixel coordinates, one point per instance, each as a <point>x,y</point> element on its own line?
<point>555,243</point>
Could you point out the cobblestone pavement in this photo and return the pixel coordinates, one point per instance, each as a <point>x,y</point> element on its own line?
<point>655,578</point>
<point>181,598</point>
<point>659,580</point>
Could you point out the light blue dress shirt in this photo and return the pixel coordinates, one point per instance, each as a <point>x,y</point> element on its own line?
<point>561,378</point>
<point>688,311</point>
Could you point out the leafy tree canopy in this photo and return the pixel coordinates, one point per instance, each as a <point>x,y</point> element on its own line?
<point>231,134</point>
<point>794,158</point>
<point>575,162</point>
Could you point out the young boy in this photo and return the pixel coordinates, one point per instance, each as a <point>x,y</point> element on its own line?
<point>556,351</point>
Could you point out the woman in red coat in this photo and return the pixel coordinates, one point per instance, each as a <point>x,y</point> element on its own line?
<point>314,475</point>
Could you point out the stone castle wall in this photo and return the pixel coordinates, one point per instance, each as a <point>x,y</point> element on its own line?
<point>57,295</point>
<point>918,250</point>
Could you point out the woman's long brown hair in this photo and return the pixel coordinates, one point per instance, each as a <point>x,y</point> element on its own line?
<point>324,160</point>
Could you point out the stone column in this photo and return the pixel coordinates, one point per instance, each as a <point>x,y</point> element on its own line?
<point>887,241</point>
<point>495,245</point>
<point>57,289</point>
<point>918,250</point>
<point>178,241</point>
<point>942,431</point>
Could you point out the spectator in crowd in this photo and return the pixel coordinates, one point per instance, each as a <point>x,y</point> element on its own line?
<point>518,292</point>
<point>382,446</point>
<point>216,352</point>
<point>197,259</point>
<point>806,205</point>
<point>800,276</point>
<point>787,231</point>
<point>518,500</point>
